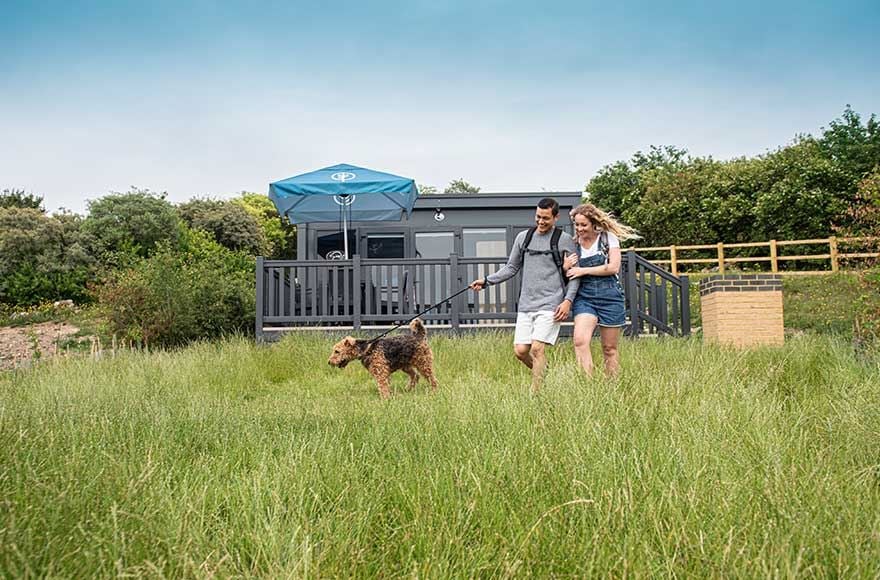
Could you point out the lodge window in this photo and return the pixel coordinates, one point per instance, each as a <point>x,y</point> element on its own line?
<point>484,242</point>
<point>331,245</point>
<point>385,246</point>
<point>434,244</point>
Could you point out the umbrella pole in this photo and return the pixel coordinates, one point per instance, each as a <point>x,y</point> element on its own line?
<point>345,232</point>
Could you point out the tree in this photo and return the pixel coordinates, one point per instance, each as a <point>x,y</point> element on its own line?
<point>863,216</point>
<point>280,236</point>
<point>618,186</point>
<point>21,199</point>
<point>801,193</point>
<point>852,146</point>
<point>426,189</point>
<point>802,190</point>
<point>670,210</point>
<point>132,223</point>
<point>461,186</point>
<point>229,223</point>
<point>615,188</point>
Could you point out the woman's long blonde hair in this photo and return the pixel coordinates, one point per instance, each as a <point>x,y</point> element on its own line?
<point>604,221</point>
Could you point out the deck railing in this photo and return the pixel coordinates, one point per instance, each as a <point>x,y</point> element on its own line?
<point>377,293</point>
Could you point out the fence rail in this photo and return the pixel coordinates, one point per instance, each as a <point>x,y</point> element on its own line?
<point>376,293</point>
<point>775,257</point>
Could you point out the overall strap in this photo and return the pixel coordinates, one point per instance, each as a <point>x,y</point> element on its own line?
<point>606,251</point>
<point>603,245</point>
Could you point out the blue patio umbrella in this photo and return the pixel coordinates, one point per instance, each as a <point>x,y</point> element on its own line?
<point>354,193</point>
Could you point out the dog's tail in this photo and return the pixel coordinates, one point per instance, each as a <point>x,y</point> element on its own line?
<point>418,329</point>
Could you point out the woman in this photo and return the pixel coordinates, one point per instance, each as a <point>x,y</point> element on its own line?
<point>599,300</point>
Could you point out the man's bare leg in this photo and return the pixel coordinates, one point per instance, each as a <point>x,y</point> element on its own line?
<point>522,352</point>
<point>539,364</point>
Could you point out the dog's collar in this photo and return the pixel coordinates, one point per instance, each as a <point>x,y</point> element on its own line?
<point>365,346</point>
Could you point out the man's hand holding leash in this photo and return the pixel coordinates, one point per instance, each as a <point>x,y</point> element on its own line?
<point>478,284</point>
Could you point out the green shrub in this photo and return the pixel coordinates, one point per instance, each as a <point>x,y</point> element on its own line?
<point>42,258</point>
<point>176,296</point>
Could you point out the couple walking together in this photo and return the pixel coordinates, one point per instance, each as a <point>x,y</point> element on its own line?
<point>580,278</point>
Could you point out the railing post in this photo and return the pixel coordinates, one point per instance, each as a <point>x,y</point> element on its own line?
<point>258,323</point>
<point>720,257</point>
<point>685,306</point>
<point>673,260</point>
<point>832,245</point>
<point>454,274</point>
<point>631,293</point>
<point>356,290</point>
<point>774,263</point>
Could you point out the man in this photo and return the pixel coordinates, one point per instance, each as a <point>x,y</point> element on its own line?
<point>546,295</point>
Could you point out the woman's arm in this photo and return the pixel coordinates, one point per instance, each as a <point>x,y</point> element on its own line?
<point>609,269</point>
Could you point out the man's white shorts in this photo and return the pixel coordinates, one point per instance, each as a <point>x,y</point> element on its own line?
<point>531,326</point>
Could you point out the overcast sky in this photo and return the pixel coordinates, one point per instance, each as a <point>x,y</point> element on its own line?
<point>210,98</point>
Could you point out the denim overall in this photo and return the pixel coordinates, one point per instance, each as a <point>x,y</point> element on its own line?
<point>601,296</point>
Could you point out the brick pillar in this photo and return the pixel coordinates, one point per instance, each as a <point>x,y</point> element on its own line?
<point>742,309</point>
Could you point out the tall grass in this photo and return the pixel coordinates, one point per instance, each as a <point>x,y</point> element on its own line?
<point>231,459</point>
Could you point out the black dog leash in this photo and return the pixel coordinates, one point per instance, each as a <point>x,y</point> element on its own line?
<point>444,301</point>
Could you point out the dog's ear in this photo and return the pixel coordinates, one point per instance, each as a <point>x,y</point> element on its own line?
<point>348,340</point>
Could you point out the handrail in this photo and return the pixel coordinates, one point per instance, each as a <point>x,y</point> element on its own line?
<point>657,270</point>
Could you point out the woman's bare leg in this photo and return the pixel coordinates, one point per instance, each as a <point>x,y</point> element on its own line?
<point>584,325</point>
<point>610,338</point>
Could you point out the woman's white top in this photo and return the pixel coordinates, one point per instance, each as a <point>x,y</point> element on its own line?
<point>613,242</point>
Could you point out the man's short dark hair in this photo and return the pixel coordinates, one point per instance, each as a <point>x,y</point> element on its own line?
<point>549,203</point>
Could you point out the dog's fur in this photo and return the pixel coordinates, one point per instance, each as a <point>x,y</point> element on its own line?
<point>410,354</point>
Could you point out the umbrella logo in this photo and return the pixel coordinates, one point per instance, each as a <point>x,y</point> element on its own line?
<point>343,176</point>
<point>344,200</point>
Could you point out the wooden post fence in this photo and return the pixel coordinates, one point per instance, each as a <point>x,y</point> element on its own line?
<point>774,263</point>
<point>834,258</point>
<point>832,249</point>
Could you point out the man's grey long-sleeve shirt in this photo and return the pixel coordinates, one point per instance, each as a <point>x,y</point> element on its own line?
<point>541,282</point>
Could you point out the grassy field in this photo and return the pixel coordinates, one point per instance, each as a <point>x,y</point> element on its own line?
<point>231,459</point>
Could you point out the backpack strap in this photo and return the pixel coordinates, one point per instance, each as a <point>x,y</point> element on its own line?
<point>557,256</point>
<point>528,240</point>
<point>554,247</point>
<point>554,251</point>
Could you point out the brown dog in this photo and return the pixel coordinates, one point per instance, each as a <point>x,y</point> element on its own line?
<point>410,354</point>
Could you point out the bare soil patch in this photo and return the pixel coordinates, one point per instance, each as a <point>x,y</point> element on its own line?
<point>20,345</point>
